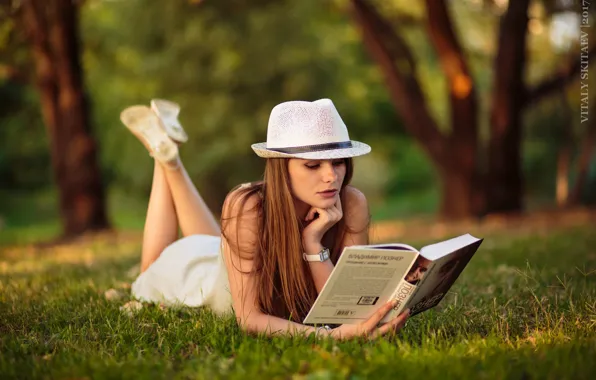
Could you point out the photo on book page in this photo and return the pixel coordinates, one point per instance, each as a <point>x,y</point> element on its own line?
<point>418,270</point>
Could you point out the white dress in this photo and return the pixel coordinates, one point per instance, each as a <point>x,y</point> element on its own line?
<point>189,272</point>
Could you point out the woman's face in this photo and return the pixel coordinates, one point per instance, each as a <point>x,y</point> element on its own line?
<point>316,182</point>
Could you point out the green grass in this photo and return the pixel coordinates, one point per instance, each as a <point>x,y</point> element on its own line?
<point>524,308</point>
<point>30,217</point>
<point>424,202</point>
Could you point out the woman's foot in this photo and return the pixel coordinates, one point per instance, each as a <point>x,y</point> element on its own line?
<point>148,128</point>
<point>168,112</point>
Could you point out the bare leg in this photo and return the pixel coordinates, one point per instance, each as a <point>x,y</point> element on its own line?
<point>194,216</point>
<point>161,226</point>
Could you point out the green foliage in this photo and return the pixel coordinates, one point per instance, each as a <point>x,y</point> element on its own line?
<point>227,70</point>
<point>518,311</point>
<point>229,62</point>
<point>33,216</point>
<point>24,152</point>
<point>552,126</point>
<point>414,171</point>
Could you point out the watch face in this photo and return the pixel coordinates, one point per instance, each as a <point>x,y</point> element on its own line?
<point>325,254</point>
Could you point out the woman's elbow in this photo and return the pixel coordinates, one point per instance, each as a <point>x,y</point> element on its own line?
<point>249,322</point>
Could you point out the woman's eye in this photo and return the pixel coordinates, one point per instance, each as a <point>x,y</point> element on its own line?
<point>338,163</point>
<point>312,166</point>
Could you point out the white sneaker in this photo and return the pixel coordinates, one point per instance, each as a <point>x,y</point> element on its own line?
<point>168,113</point>
<point>148,128</point>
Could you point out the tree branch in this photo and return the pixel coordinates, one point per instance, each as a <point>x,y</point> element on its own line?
<point>36,31</point>
<point>464,109</point>
<point>398,65</point>
<point>508,69</point>
<point>562,76</point>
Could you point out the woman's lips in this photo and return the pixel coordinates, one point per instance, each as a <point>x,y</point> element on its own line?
<point>328,194</point>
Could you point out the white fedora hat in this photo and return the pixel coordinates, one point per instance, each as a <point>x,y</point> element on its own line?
<point>309,130</point>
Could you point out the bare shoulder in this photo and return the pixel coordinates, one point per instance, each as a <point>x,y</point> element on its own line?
<point>356,209</point>
<point>240,201</point>
<point>240,220</point>
<point>356,196</point>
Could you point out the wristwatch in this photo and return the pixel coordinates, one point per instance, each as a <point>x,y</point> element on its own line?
<point>321,256</point>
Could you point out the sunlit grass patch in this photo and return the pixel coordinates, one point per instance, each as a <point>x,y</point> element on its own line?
<point>525,307</point>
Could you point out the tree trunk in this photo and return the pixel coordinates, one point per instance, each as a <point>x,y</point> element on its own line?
<point>587,152</point>
<point>397,64</point>
<point>564,154</point>
<point>562,181</point>
<point>454,155</point>
<point>504,155</point>
<point>461,197</point>
<point>52,30</point>
<point>463,191</point>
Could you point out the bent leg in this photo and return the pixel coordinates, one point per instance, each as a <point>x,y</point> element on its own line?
<point>161,226</point>
<point>193,214</point>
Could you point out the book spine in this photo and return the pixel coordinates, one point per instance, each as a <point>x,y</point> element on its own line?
<point>419,287</point>
<point>402,294</point>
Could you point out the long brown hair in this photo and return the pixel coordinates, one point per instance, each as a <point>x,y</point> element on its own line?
<point>284,285</point>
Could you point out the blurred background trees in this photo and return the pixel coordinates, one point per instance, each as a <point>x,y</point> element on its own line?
<point>471,106</point>
<point>468,187</point>
<point>52,33</point>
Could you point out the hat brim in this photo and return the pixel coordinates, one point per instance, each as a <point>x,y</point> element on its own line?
<point>358,149</point>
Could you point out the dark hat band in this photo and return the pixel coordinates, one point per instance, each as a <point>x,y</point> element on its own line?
<point>313,148</point>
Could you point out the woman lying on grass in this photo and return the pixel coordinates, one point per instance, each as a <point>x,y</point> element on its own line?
<point>280,237</point>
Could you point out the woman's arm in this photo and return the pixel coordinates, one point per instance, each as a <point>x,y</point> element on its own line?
<point>244,297</point>
<point>357,218</point>
<point>237,258</point>
<point>272,325</point>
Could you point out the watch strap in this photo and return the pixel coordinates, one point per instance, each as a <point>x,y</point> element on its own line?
<point>320,257</point>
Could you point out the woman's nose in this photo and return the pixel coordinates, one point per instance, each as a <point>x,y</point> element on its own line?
<point>330,174</point>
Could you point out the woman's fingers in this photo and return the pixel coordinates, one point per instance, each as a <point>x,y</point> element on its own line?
<point>325,215</point>
<point>332,214</point>
<point>336,212</point>
<point>338,205</point>
<point>374,320</point>
<point>311,214</point>
<point>393,325</point>
<point>368,328</point>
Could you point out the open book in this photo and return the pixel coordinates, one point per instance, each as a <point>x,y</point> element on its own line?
<point>366,277</point>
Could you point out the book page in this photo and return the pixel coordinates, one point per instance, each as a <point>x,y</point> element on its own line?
<point>393,246</point>
<point>439,277</point>
<point>438,250</point>
<point>362,280</point>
